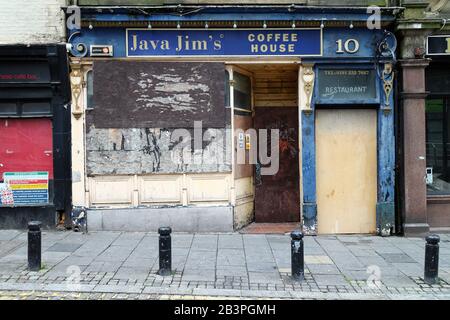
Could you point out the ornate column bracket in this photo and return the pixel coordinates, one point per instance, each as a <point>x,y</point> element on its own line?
<point>308,76</point>
<point>76,80</point>
<point>387,76</point>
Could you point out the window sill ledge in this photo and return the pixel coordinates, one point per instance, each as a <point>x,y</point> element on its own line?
<point>438,199</point>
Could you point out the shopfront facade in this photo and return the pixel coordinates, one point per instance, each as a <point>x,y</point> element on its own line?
<point>34,135</point>
<point>424,88</point>
<point>210,120</point>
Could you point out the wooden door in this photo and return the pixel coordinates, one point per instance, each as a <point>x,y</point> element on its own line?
<point>277,197</point>
<point>346,159</point>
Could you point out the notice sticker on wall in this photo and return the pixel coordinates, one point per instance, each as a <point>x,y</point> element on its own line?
<point>27,188</point>
<point>6,195</point>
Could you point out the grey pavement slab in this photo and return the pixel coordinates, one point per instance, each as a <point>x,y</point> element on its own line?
<point>132,273</point>
<point>231,271</point>
<point>397,281</point>
<point>204,243</point>
<point>8,246</point>
<point>330,280</point>
<point>410,269</point>
<point>397,258</point>
<point>231,257</point>
<point>230,241</point>
<point>182,240</point>
<point>357,275</point>
<point>201,259</point>
<point>7,235</point>
<point>199,275</point>
<point>139,263</point>
<point>264,277</point>
<point>254,266</point>
<point>104,266</point>
<point>323,269</point>
<point>64,247</point>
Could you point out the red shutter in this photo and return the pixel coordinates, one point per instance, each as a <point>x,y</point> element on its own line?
<point>26,145</point>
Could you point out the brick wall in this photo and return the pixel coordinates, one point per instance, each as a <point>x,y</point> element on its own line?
<point>31,21</point>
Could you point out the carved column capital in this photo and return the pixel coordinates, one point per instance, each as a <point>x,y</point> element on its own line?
<point>76,81</point>
<point>308,77</point>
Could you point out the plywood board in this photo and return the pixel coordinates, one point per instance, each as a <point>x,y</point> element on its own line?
<point>346,157</point>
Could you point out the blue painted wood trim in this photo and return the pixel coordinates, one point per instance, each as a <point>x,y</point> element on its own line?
<point>309,213</point>
<point>309,210</point>
<point>386,165</point>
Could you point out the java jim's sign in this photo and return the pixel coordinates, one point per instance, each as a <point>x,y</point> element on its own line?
<point>216,42</point>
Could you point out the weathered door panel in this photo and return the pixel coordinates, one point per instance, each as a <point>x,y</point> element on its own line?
<point>346,158</point>
<point>277,197</point>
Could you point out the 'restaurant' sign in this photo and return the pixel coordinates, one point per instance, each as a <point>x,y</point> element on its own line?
<point>239,42</point>
<point>438,45</point>
<point>336,85</point>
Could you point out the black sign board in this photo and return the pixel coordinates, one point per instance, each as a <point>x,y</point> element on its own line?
<point>101,51</point>
<point>25,72</point>
<point>438,45</point>
<point>346,86</point>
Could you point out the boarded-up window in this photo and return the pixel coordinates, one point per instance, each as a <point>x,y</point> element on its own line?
<point>158,95</point>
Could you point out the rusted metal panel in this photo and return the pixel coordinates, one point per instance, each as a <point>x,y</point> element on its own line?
<point>142,94</point>
<point>277,197</point>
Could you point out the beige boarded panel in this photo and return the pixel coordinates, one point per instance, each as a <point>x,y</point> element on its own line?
<point>111,190</point>
<point>208,188</point>
<point>244,187</point>
<point>346,158</point>
<point>160,188</point>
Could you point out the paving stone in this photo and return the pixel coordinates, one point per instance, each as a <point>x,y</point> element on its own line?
<point>322,259</point>
<point>64,247</point>
<point>330,280</point>
<point>398,281</point>
<point>235,271</point>
<point>230,242</point>
<point>397,258</point>
<point>254,266</point>
<point>182,240</point>
<point>139,263</point>
<point>231,257</point>
<point>204,243</point>
<point>8,235</point>
<point>323,269</point>
<point>198,275</point>
<point>264,277</point>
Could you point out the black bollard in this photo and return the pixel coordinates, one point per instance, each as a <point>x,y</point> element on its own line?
<point>297,255</point>
<point>165,251</point>
<point>34,246</point>
<point>431,259</point>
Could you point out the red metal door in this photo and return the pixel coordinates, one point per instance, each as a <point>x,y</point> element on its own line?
<point>277,197</point>
<point>26,145</point>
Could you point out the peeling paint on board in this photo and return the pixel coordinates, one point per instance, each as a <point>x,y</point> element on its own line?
<point>156,150</point>
<point>143,94</point>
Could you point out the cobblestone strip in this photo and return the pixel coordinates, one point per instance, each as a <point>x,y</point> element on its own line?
<point>212,295</point>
